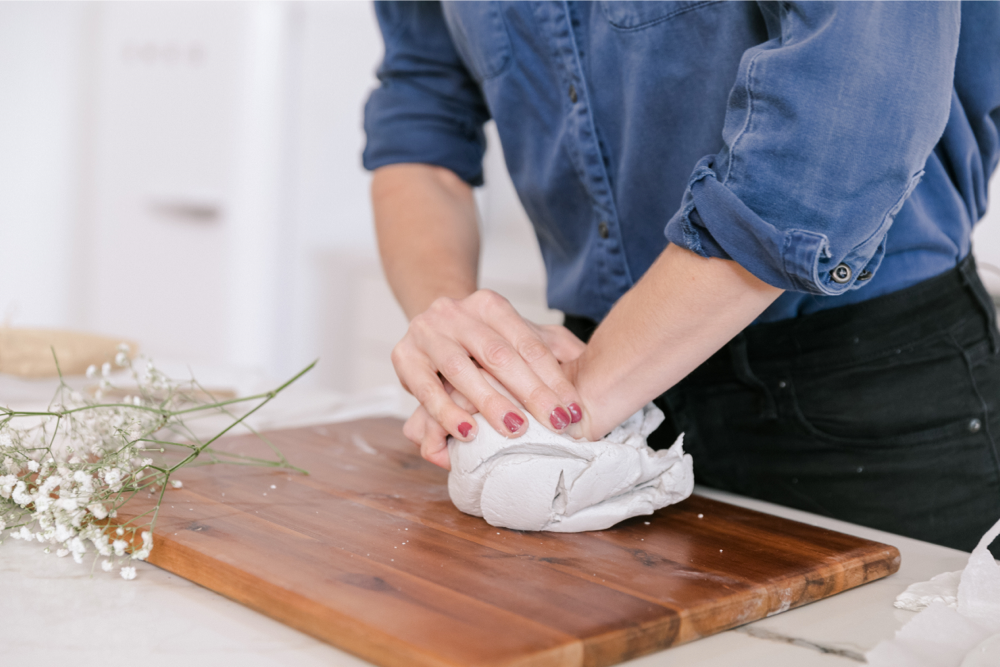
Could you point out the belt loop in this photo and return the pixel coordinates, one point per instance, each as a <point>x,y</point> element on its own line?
<point>741,367</point>
<point>970,277</point>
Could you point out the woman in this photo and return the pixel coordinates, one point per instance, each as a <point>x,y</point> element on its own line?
<point>766,207</point>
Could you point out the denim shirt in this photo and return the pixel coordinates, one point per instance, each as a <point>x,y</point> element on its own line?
<point>839,151</point>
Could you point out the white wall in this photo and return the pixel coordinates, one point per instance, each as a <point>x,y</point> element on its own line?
<point>195,184</point>
<point>986,240</point>
<point>41,80</point>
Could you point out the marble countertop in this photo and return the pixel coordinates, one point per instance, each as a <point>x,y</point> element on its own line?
<point>56,610</point>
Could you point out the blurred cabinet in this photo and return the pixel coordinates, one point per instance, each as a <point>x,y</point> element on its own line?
<point>186,152</point>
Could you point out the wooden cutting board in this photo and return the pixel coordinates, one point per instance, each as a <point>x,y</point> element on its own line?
<point>368,553</point>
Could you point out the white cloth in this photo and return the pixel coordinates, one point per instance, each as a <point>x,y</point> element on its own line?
<point>962,634</point>
<point>546,481</point>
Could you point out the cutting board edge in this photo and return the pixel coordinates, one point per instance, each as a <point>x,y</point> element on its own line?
<point>362,640</point>
<point>687,619</point>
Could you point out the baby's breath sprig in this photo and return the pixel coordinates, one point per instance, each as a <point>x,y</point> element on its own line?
<point>67,470</point>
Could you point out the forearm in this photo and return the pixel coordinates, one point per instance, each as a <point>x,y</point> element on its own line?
<point>683,310</point>
<point>425,219</point>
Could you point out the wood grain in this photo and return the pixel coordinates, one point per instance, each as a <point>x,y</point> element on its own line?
<point>368,553</point>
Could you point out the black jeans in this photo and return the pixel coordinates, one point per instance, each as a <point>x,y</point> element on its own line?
<point>884,413</point>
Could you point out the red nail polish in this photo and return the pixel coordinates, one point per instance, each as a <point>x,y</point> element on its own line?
<point>575,412</point>
<point>512,422</point>
<point>559,419</point>
<point>464,429</point>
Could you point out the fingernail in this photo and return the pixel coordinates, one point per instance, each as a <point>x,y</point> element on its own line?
<point>464,429</point>
<point>559,419</point>
<point>575,412</point>
<point>512,422</point>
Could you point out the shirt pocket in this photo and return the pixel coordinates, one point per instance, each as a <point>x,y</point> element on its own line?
<point>628,15</point>
<point>480,35</point>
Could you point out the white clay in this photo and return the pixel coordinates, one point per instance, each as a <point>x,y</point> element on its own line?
<point>941,588</point>
<point>546,481</point>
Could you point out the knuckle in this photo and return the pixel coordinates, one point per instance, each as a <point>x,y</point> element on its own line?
<point>490,301</point>
<point>398,355</point>
<point>425,392</point>
<point>420,327</point>
<point>412,430</point>
<point>432,444</point>
<point>442,305</point>
<point>498,354</point>
<point>564,387</point>
<point>533,350</point>
<point>539,395</point>
<point>454,365</point>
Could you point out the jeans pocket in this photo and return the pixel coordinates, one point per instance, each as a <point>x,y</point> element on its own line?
<point>480,35</point>
<point>923,394</point>
<point>628,15</point>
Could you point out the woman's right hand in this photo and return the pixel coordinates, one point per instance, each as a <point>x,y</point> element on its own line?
<point>446,347</point>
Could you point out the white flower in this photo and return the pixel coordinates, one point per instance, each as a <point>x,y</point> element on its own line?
<point>62,553</point>
<point>91,371</point>
<point>33,466</point>
<point>128,573</point>
<point>19,495</point>
<point>113,478</point>
<point>5,440</point>
<point>42,502</point>
<point>77,546</point>
<point>7,483</point>
<point>63,532</point>
<point>176,483</point>
<point>105,370</point>
<point>119,547</point>
<point>98,510</point>
<point>147,546</point>
<point>68,504</point>
<point>106,565</point>
<point>124,348</point>
<point>121,359</point>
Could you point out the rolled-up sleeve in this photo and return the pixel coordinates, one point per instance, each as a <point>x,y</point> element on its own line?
<point>428,109</point>
<point>827,130</point>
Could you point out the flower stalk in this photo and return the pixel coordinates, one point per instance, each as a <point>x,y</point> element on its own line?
<point>65,472</point>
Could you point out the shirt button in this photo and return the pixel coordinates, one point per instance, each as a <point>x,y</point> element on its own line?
<point>975,425</point>
<point>864,275</point>
<point>841,274</point>
<point>602,229</point>
<point>572,93</point>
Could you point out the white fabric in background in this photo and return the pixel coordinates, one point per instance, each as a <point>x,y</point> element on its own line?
<point>546,481</point>
<point>963,634</point>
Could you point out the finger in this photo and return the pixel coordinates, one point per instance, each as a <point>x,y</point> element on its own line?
<point>434,446</point>
<point>563,342</point>
<point>429,436</point>
<point>524,364</point>
<point>467,379</point>
<point>419,376</point>
<point>460,399</point>
<point>414,427</point>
